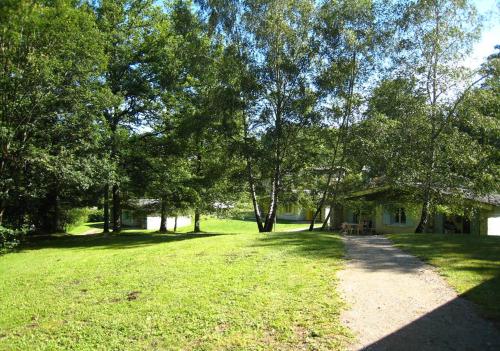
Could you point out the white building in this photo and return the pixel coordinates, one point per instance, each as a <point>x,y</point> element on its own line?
<point>144,214</point>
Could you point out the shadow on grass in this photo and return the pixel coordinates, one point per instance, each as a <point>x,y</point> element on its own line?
<point>96,225</point>
<point>115,241</point>
<point>461,245</point>
<point>460,252</point>
<point>315,244</point>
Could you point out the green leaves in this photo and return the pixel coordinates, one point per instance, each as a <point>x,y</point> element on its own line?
<point>179,101</point>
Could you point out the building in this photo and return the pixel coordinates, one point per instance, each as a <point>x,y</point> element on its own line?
<point>385,210</point>
<point>144,214</point>
<point>292,212</point>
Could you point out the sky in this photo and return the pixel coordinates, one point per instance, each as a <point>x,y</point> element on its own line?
<point>490,34</point>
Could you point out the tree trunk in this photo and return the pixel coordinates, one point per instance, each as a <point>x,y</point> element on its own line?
<point>163,220</point>
<point>57,215</point>
<point>3,158</point>
<point>316,214</point>
<point>116,213</point>
<point>327,218</point>
<point>256,210</point>
<point>197,221</point>
<point>106,209</point>
<point>2,210</point>
<point>175,224</point>
<point>423,225</point>
<point>49,214</point>
<point>251,180</point>
<point>325,192</point>
<point>273,206</point>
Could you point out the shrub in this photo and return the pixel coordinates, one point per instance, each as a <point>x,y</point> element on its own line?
<point>75,216</point>
<point>10,239</point>
<point>95,215</point>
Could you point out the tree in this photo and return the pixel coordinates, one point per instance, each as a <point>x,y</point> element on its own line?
<point>282,43</point>
<point>156,168</point>
<point>125,26</point>
<point>479,117</point>
<point>349,35</point>
<point>434,37</point>
<point>49,92</point>
<point>194,120</point>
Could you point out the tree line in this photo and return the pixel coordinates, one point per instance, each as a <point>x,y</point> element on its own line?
<point>259,102</point>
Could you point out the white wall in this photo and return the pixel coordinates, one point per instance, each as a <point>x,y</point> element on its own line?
<point>129,219</point>
<point>153,222</point>
<point>291,216</point>
<point>494,224</point>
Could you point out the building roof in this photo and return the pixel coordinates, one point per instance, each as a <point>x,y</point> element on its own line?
<point>372,192</point>
<point>147,205</point>
<point>145,202</point>
<point>490,199</point>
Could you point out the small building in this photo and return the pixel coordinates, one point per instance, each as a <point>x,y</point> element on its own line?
<point>292,212</point>
<point>144,214</point>
<point>385,210</point>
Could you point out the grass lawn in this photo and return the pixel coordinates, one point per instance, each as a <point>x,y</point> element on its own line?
<point>471,264</point>
<point>234,289</point>
<point>85,228</point>
<point>207,225</point>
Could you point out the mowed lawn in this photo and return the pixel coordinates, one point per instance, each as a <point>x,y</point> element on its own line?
<point>471,264</point>
<point>233,289</point>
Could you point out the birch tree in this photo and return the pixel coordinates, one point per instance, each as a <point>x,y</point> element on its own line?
<point>434,37</point>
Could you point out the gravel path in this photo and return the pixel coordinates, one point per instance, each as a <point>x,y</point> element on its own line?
<point>399,303</point>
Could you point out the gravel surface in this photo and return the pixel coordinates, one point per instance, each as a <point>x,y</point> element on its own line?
<point>396,302</point>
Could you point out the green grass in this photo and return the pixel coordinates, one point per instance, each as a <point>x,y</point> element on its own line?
<point>84,228</point>
<point>242,291</point>
<point>471,264</point>
<point>208,224</point>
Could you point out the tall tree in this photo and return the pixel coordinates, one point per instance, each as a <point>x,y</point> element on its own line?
<point>281,34</point>
<point>51,54</point>
<point>349,35</point>
<point>479,117</point>
<point>125,26</point>
<point>434,37</point>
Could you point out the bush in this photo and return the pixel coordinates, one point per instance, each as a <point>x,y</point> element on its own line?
<point>10,239</point>
<point>77,216</point>
<point>95,215</point>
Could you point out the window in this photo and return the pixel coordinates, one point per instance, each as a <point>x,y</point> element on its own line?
<point>399,216</point>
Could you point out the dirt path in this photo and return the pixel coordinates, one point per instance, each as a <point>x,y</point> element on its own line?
<point>93,231</point>
<point>399,303</point>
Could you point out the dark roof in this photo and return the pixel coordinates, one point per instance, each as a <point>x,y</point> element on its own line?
<point>142,204</point>
<point>145,202</point>
<point>490,199</point>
